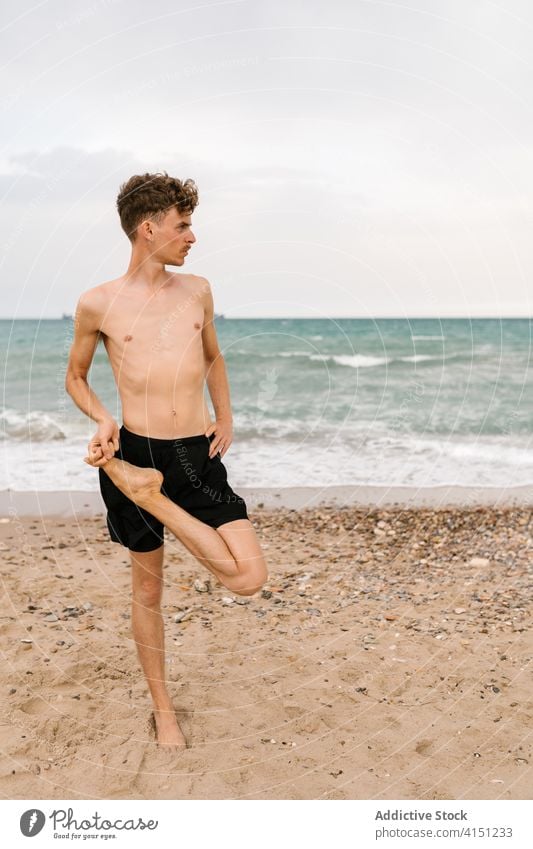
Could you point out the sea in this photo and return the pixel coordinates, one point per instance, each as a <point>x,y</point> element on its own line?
<point>316,402</point>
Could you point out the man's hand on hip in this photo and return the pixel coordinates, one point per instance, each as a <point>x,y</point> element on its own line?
<point>223,431</point>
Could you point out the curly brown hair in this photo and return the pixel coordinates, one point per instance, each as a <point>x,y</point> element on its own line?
<point>152,196</point>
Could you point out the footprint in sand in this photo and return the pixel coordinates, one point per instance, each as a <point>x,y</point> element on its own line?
<point>423,747</point>
<point>66,730</point>
<point>122,767</point>
<point>36,706</point>
<point>292,711</point>
<point>311,724</point>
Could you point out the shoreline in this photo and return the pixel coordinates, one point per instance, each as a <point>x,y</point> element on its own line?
<point>64,503</point>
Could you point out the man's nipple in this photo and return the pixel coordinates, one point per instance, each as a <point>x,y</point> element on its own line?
<point>197,325</point>
<point>128,338</point>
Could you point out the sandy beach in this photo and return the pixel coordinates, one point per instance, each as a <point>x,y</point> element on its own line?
<point>386,659</point>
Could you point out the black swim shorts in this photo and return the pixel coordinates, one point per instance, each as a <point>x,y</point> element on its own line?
<point>192,479</point>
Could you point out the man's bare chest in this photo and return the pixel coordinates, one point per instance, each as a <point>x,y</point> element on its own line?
<point>171,326</point>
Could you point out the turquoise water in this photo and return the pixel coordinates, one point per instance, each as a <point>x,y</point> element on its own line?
<point>318,401</point>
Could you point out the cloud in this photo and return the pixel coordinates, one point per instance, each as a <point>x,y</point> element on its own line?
<point>63,174</point>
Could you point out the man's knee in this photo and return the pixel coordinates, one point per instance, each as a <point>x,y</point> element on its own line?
<point>147,593</point>
<point>250,580</point>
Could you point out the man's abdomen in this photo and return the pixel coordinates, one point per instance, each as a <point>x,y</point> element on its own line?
<point>166,415</point>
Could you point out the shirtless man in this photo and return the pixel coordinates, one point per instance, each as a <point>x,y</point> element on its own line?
<point>159,334</point>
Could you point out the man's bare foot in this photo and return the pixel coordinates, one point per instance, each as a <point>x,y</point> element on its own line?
<point>139,484</point>
<point>167,730</point>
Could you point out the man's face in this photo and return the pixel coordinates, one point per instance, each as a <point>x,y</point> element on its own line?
<point>173,238</point>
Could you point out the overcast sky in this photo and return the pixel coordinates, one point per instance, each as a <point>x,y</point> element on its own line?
<point>356,158</point>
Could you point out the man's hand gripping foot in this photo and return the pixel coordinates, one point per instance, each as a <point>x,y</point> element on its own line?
<point>139,484</point>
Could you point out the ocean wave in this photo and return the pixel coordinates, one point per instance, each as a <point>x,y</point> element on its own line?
<point>292,354</point>
<point>268,355</point>
<point>417,358</point>
<point>368,361</point>
<point>298,452</point>
<point>510,454</point>
<point>352,360</point>
<point>358,361</point>
<point>32,427</point>
<point>384,459</point>
<point>417,338</point>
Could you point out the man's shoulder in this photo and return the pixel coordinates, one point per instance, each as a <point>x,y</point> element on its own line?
<point>93,304</point>
<point>194,281</point>
<point>193,284</point>
<point>97,297</point>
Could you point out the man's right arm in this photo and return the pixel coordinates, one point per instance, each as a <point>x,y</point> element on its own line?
<point>86,336</point>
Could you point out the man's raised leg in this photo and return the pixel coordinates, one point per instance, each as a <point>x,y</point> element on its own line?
<point>243,570</point>
<point>149,636</point>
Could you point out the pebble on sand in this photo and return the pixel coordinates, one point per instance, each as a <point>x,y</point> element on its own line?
<point>182,615</point>
<point>479,562</point>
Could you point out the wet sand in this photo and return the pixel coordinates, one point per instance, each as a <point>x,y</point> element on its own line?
<point>386,659</point>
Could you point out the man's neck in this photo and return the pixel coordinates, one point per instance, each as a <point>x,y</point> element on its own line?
<point>147,273</point>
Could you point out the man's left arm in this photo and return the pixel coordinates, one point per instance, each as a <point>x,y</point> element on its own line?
<point>216,378</point>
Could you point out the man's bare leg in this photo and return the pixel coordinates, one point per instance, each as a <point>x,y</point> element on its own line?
<point>149,636</point>
<point>244,572</point>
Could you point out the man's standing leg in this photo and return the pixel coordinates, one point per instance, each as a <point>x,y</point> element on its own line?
<point>149,635</point>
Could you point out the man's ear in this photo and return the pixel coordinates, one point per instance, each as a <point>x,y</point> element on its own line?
<point>145,230</point>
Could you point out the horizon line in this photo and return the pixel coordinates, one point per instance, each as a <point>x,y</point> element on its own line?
<point>314,318</point>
